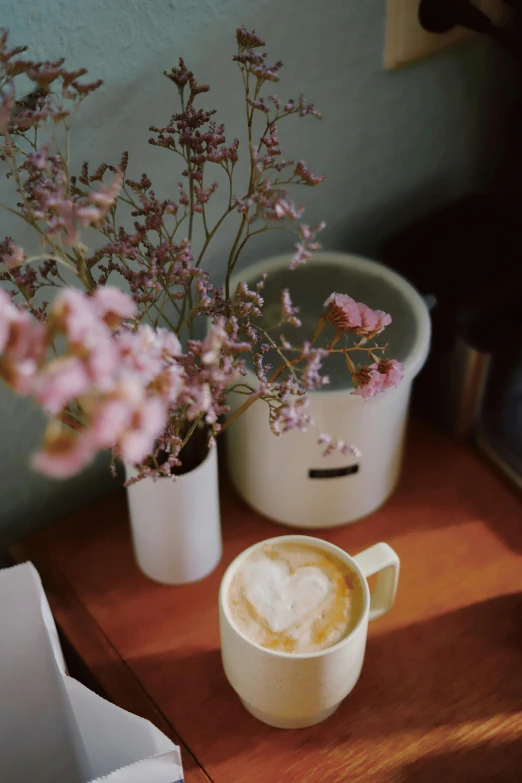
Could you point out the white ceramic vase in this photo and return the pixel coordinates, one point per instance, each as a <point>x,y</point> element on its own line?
<point>287,479</point>
<point>176,525</point>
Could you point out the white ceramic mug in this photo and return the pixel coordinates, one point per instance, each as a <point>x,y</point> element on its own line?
<point>291,691</point>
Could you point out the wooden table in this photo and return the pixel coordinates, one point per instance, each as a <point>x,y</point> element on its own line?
<point>440,696</point>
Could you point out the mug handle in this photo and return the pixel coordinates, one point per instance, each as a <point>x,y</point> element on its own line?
<point>383,561</point>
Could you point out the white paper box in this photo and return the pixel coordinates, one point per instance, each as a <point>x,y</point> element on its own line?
<point>52,728</point>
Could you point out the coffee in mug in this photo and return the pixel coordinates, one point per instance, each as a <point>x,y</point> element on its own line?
<point>293,615</point>
<point>295,598</point>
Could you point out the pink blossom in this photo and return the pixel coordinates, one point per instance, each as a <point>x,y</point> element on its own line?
<point>290,416</point>
<point>140,353</point>
<point>147,425</point>
<point>106,196</point>
<point>306,177</point>
<point>284,208</point>
<point>56,207</point>
<point>39,158</point>
<point>87,322</point>
<point>248,39</point>
<point>19,375</point>
<point>308,108</point>
<point>393,372</point>
<point>378,377</point>
<point>128,420</point>
<point>307,243</point>
<point>218,343</point>
<point>46,72</point>
<point>64,454</point>
<point>347,314</point>
<point>200,400</point>
<point>312,378</point>
<point>343,311</point>
<point>270,203</point>
<point>14,256</point>
<point>370,382</point>
<point>8,311</point>
<point>113,304</point>
<point>169,384</point>
<point>110,419</point>
<point>308,233</point>
<point>373,322</point>
<point>22,345</point>
<point>89,216</point>
<point>248,302</point>
<point>125,380</point>
<point>74,314</point>
<point>61,381</point>
<point>289,312</point>
<point>148,351</point>
<point>260,105</point>
<point>102,360</point>
<point>301,256</point>
<point>7,101</point>
<point>168,343</point>
<point>335,444</point>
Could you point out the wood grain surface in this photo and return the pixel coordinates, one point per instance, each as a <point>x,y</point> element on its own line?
<point>440,696</point>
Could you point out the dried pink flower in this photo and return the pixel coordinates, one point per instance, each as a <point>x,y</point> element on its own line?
<point>131,385</point>
<point>106,196</point>
<point>146,426</point>
<point>248,39</point>
<point>312,378</point>
<point>22,345</point>
<point>46,72</point>
<point>11,255</point>
<point>7,101</point>
<point>343,311</point>
<point>347,314</point>
<point>393,372</point>
<point>369,382</point>
<point>305,175</point>
<point>148,351</point>
<point>141,420</point>
<point>247,302</point>
<point>372,321</point>
<point>74,315</point>
<point>307,108</point>
<point>60,382</point>
<point>86,88</point>
<point>336,444</point>
<point>290,416</point>
<point>112,305</point>
<point>307,244</point>
<point>64,454</point>
<point>180,76</point>
<point>378,377</point>
<point>289,312</point>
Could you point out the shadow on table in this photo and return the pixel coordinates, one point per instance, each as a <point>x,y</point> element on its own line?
<point>456,668</point>
<point>488,762</point>
<point>464,667</point>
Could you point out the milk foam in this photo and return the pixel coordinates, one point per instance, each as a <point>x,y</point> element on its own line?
<point>294,598</point>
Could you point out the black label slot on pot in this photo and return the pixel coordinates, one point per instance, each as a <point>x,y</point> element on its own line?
<point>332,472</point>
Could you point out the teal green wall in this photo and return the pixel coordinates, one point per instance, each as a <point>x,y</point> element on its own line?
<point>392,144</point>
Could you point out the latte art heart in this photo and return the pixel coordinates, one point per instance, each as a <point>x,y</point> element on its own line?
<point>294,598</point>
<point>285,599</point>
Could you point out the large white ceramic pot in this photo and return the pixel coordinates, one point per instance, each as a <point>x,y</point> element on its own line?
<point>287,478</point>
<point>176,526</point>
